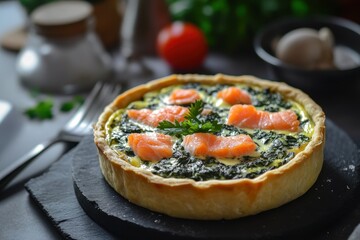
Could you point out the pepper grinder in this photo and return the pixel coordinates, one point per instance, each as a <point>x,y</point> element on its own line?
<point>142,22</point>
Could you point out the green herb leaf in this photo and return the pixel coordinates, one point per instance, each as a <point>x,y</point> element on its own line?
<point>195,110</point>
<point>69,105</point>
<point>175,129</point>
<point>79,99</point>
<point>42,110</point>
<point>192,124</point>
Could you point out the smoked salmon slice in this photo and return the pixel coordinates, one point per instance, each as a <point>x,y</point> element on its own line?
<point>154,117</point>
<point>206,144</point>
<point>234,95</point>
<point>151,146</point>
<point>248,116</point>
<point>183,96</point>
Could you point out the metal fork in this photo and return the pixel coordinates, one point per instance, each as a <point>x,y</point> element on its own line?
<point>77,127</point>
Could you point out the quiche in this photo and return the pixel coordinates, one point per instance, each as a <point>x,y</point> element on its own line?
<point>211,147</point>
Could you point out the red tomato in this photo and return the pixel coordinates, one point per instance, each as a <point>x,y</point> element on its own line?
<point>182,45</point>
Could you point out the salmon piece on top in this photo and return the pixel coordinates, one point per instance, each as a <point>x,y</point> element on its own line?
<point>183,96</point>
<point>248,116</point>
<point>151,146</point>
<point>206,144</point>
<point>154,117</point>
<point>234,95</point>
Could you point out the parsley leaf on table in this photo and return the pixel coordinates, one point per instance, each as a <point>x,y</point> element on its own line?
<point>69,105</point>
<point>42,110</point>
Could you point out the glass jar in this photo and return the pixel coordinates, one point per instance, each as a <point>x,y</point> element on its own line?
<point>63,53</point>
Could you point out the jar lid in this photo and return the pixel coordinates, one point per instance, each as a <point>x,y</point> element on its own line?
<point>61,18</point>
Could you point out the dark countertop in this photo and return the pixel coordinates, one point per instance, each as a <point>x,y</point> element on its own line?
<point>19,216</point>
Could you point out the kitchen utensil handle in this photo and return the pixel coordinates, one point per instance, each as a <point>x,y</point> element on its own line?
<point>10,172</point>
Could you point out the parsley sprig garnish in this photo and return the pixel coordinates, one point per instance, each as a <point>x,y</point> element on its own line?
<point>192,123</point>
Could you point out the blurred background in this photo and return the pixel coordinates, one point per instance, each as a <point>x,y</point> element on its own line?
<point>231,25</point>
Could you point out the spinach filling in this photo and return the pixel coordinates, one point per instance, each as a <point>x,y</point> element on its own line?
<point>185,166</point>
<point>274,148</point>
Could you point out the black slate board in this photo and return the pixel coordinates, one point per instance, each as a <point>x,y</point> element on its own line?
<point>334,193</point>
<point>54,193</point>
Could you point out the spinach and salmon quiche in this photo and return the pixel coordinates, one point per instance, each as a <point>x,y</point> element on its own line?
<point>211,147</point>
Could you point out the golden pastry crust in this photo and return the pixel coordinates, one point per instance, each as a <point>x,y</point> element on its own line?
<point>213,199</point>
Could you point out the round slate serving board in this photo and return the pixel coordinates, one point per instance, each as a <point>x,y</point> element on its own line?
<point>332,195</point>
